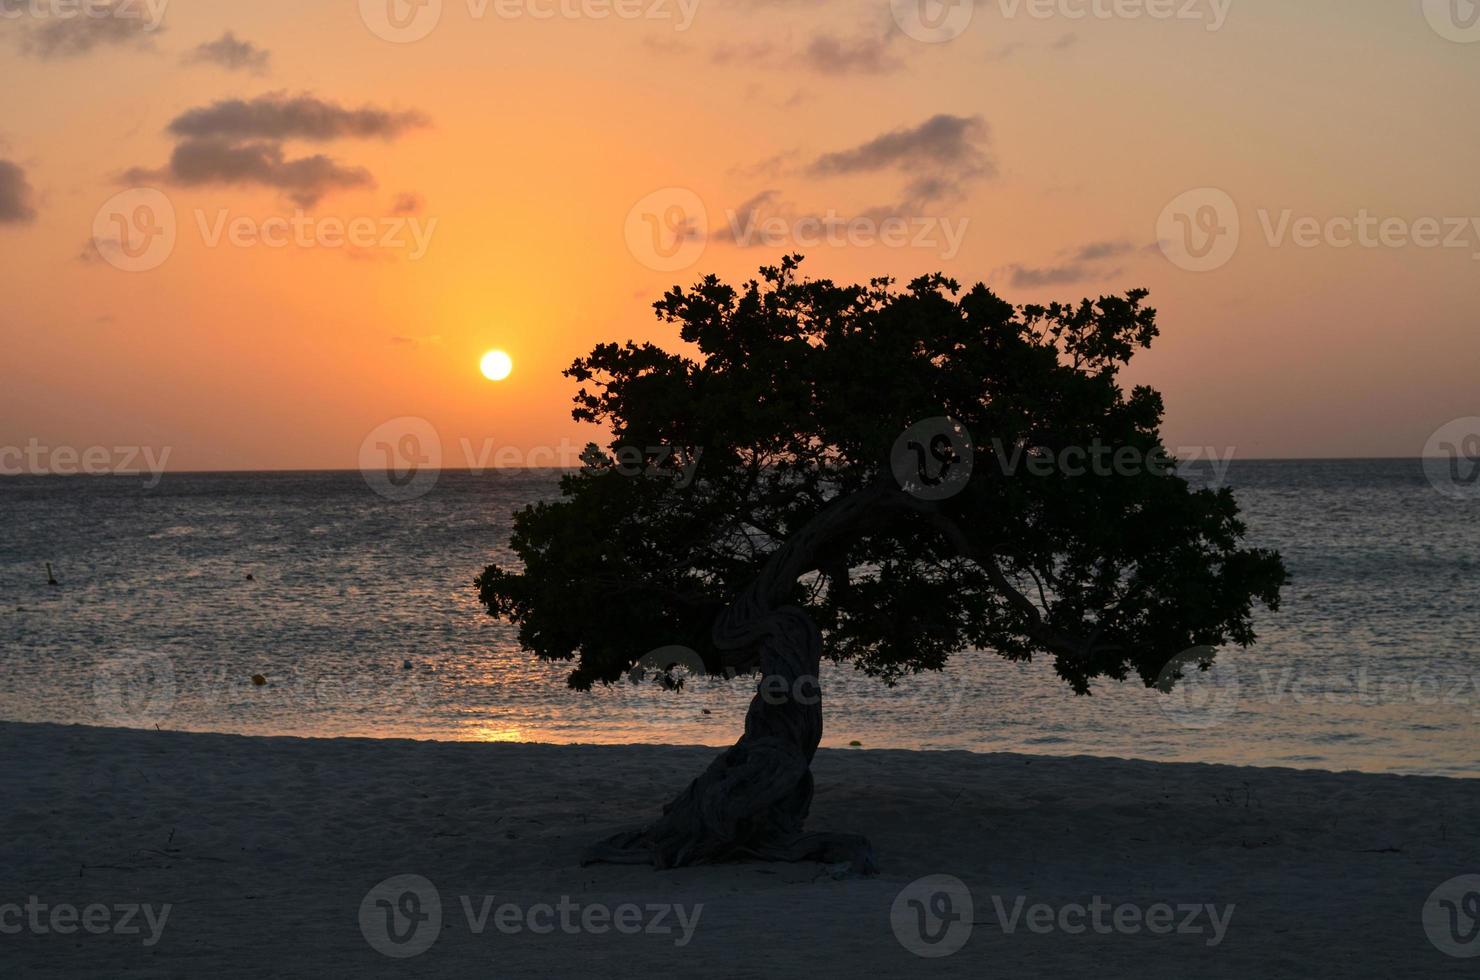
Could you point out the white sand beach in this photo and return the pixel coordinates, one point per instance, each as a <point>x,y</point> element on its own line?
<point>265,850</point>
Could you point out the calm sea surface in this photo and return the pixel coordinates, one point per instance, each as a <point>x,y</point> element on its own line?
<point>1371,665</point>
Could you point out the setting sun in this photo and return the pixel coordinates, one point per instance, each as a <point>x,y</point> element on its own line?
<point>497,365</point>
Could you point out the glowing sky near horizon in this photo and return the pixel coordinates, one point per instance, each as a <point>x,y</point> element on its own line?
<point>358,220</point>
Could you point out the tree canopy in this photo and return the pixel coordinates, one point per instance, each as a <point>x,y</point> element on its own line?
<point>790,396</point>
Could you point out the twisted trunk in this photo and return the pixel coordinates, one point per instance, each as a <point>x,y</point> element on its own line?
<point>752,801</point>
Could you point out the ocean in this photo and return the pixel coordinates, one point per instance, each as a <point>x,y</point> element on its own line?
<point>173,598</point>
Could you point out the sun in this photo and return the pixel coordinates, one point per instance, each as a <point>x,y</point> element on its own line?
<point>497,365</point>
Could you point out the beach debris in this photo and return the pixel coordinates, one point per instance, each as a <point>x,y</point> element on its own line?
<point>50,578</point>
<point>406,665</point>
<point>855,744</point>
<point>259,680</point>
<point>251,577</point>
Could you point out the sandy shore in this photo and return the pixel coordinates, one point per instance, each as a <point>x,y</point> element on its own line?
<point>261,858</point>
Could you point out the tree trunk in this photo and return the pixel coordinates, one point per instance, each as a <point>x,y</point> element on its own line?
<point>752,801</point>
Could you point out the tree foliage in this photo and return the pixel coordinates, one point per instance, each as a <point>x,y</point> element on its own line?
<point>790,397</point>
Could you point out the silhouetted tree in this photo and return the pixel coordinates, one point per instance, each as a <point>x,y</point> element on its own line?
<point>796,536</point>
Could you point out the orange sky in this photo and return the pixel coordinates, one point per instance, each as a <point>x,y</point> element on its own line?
<point>520,145</point>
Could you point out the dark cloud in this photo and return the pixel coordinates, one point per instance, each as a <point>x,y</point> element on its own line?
<point>943,143</point>
<point>304,180</point>
<point>407,203</point>
<point>230,52</point>
<point>240,142</point>
<point>1087,262</point>
<point>865,56</point>
<point>1103,250</point>
<point>129,25</point>
<point>15,195</point>
<point>1058,275</point>
<point>940,156</point>
<point>277,116</point>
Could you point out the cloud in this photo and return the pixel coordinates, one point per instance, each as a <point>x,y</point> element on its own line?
<point>15,195</point>
<point>407,203</point>
<point>825,54</point>
<point>230,52</point>
<point>416,343</point>
<point>940,156</point>
<point>1005,51</point>
<point>240,142</point>
<point>1058,275</point>
<point>277,116</point>
<point>864,56</point>
<point>1102,250</point>
<point>92,26</point>
<point>304,180</point>
<point>942,142</point>
<point>1087,262</point>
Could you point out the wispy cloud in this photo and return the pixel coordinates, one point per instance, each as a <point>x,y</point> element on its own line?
<point>16,205</point>
<point>232,53</point>
<point>1083,263</point>
<point>240,142</point>
<point>93,26</point>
